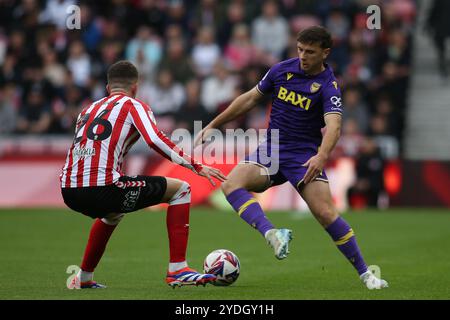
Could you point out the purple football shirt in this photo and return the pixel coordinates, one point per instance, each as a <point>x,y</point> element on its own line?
<point>299,103</point>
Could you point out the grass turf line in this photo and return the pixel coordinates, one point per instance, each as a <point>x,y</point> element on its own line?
<point>410,246</point>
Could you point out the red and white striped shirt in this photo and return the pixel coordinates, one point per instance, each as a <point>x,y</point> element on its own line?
<point>104,133</point>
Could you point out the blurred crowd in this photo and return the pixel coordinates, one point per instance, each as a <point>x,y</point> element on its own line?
<point>195,57</point>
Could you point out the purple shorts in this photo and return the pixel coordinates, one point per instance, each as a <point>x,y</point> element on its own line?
<point>283,165</point>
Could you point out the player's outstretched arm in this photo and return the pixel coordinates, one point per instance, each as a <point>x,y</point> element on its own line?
<point>143,120</point>
<point>238,107</point>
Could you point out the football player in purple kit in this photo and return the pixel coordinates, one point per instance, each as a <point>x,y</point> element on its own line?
<point>305,98</point>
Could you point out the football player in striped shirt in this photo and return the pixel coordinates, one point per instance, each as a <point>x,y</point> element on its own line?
<point>92,181</point>
<point>305,98</point>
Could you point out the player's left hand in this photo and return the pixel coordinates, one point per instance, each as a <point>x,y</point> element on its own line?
<point>209,172</point>
<point>315,166</point>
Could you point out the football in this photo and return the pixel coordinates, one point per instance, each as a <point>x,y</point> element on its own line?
<point>224,264</point>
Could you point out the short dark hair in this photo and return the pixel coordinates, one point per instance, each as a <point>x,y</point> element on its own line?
<point>315,34</point>
<point>122,73</point>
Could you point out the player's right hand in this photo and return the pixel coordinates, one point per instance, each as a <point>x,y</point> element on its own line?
<point>209,172</point>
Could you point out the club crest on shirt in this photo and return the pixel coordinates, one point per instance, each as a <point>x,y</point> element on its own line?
<point>335,84</point>
<point>315,86</point>
<point>289,75</point>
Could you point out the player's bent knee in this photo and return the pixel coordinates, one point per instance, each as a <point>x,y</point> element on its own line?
<point>327,217</point>
<point>113,219</point>
<point>182,195</point>
<point>228,186</point>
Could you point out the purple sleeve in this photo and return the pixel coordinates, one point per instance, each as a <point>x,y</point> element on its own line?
<point>331,99</point>
<point>266,84</point>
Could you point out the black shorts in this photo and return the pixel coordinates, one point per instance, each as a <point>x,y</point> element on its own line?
<point>126,195</point>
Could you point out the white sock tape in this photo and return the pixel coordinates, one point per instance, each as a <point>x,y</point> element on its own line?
<point>113,219</point>
<point>183,195</point>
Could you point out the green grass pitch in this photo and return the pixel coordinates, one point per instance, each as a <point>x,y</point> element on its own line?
<point>411,246</point>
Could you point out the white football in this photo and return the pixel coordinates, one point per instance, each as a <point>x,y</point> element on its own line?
<point>224,264</point>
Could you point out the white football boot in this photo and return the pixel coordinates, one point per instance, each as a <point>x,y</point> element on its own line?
<point>372,282</point>
<point>279,240</point>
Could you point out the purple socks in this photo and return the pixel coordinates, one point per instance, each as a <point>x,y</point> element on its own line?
<point>344,238</point>
<point>249,209</point>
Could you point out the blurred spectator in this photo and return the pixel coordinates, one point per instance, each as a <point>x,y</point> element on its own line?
<point>358,66</point>
<point>34,115</point>
<point>90,28</point>
<point>18,49</point>
<point>205,52</point>
<point>96,91</point>
<point>290,52</point>
<point>361,37</point>
<point>355,109</point>
<point>113,31</point>
<point>65,112</point>
<point>438,25</point>
<point>289,7</point>
<point>6,14</point>
<point>385,109</point>
<point>8,112</point>
<point>3,46</point>
<point>55,12</point>
<point>34,80</point>
<point>111,52</point>
<point>378,126</point>
<point>53,70</point>
<point>10,71</point>
<point>26,17</point>
<point>369,183</point>
<point>396,51</point>
<point>218,88</point>
<point>192,109</point>
<point>235,16</point>
<point>185,39</point>
<point>402,10</point>
<point>177,62</point>
<point>79,63</point>
<point>392,83</point>
<point>379,131</point>
<point>176,15</point>
<point>145,50</point>
<point>351,139</point>
<point>165,97</point>
<point>174,32</point>
<point>339,27</point>
<point>240,52</point>
<point>147,13</point>
<point>301,21</point>
<point>207,14</point>
<point>270,31</point>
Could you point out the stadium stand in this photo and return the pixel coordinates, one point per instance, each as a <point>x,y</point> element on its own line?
<point>185,50</point>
